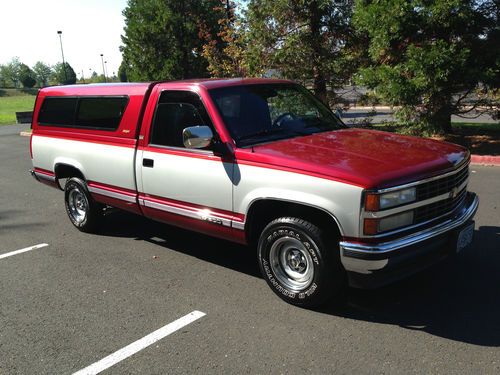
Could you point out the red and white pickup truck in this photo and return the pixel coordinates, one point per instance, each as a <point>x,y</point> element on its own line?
<point>259,162</point>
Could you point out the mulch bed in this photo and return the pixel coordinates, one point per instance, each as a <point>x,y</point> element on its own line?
<point>486,143</point>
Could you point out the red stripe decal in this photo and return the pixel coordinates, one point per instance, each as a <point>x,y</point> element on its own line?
<point>224,214</point>
<point>112,188</point>
<point>44,171</point>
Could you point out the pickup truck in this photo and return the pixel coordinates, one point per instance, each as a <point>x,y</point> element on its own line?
<point>260,162</point>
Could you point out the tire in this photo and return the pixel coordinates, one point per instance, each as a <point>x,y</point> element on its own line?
<point>300,263</point>
<point>83,212</point>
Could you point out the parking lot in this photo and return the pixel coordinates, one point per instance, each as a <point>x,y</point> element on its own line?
<point>84,298</point>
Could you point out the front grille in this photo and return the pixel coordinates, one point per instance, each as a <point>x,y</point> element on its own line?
<point>440,208</point>
<point>442,185</point>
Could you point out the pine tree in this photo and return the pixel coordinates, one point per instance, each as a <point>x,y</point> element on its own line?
<point>162,40</point>
<point>429,57</point>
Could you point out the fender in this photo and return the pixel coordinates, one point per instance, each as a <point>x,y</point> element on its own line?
<point>300,203</point>
<point>61,160</point>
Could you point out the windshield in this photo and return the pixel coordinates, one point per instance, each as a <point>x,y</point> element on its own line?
<point>261,113</point>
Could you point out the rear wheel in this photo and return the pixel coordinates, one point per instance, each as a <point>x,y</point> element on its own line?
<point>83,212</point>
<point>300,262</point>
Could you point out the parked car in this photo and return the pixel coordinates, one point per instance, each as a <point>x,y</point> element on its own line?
<point>259,162</point>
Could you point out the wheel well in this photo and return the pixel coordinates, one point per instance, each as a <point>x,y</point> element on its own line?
<point>67,171</point>
<point>262,212</point>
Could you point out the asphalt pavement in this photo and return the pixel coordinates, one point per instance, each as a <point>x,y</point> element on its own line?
<point>83,297</point>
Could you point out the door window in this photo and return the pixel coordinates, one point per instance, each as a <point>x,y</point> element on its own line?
<point>177,110</point>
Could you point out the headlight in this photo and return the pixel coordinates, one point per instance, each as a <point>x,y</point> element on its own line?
<point>374,226</point>
<point>376,202</point>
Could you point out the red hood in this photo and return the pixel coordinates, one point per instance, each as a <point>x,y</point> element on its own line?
<point>368,158</point>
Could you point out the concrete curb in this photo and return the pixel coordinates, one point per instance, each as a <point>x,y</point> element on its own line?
<point>485,160</point>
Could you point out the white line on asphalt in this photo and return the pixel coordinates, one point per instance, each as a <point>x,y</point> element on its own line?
<point>39,246</point>
<point>140,344</point>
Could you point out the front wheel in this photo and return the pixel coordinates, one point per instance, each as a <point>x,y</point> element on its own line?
<point>300,263</point>
<point>83,212</point>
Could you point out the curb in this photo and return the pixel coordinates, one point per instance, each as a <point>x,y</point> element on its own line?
<point>485,160</point>
<point>25,134</point>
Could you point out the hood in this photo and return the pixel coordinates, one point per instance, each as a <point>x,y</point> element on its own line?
<point>368,158</point>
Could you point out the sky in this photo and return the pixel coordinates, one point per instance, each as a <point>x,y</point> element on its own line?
<point>28,30</point>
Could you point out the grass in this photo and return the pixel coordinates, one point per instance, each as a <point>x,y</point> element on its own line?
<point>12,101</point>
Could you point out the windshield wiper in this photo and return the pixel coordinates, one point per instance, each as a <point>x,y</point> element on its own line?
<point>265,132</point>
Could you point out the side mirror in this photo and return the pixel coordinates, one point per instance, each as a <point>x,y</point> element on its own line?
<point>197,136</point>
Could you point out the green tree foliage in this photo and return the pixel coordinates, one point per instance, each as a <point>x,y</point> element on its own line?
<point>162,40</point>
<point>10,72</point>
<point>3,76</point>
<point>122,72</point>
<point>64,74</point>
<point>302,39</point>
<point>429,57</point>
<point>225,51</point>
<point>26,76</point>
<point>42,73</point>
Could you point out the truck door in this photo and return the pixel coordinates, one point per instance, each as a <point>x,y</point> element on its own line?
<point>190,188</point>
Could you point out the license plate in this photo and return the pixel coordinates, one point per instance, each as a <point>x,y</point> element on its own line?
<point>465,237</point>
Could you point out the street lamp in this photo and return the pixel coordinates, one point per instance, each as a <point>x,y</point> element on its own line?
<point>59,32</point>
<point>106,67</point>
<point>103,70</point>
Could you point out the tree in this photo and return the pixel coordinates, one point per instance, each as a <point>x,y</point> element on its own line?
<point>3,76</point>
<point>64,74</point>
<point>122,72</point>
<point>301,39</point>
<point>26,76</point>
<point>161,38</point>
<point>10,72</point>
<point>42,73</point>
<point>429,57</point>
<point>225,51</point>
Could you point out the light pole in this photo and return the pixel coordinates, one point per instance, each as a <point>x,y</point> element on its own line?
<point>103,70</point>
<point>83,77</point>
<point>59,32</point>
<point>106,67</point>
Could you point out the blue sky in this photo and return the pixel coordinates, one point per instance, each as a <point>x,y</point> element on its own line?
<point>28,29</point>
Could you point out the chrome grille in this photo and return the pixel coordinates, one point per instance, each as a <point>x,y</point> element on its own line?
<point>441,186</point>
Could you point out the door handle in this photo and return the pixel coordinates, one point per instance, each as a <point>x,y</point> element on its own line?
<point>148,163</point>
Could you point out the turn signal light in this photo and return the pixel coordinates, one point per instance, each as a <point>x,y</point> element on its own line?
<point>370,226</point>
<point>372,202</point>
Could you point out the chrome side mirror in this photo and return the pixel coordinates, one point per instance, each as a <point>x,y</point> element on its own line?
<point>197,136</point>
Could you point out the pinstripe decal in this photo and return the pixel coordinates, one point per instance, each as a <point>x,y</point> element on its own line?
<point>112,194</point>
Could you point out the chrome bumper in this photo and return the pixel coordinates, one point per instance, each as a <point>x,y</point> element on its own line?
<point>365,258</point>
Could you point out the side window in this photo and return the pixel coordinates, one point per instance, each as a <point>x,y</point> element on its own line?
<point>100,113</point>
<point>177,110</point>
<point>87,112</point>
<point>58,111</point>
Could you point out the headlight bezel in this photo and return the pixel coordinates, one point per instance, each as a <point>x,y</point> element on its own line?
<point>383,201</point>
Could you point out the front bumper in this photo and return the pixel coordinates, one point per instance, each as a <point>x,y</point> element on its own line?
<point>370,265</point>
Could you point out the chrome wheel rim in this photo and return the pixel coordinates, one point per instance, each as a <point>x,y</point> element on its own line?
<point>78,205</point>
<point>291,263</point>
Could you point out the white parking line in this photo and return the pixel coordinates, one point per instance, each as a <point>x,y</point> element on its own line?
<point>140,344</point>
<point>39,246</point>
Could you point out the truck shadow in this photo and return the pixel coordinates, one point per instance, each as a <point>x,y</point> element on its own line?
<point>458,299</point>
<point>206,248</point>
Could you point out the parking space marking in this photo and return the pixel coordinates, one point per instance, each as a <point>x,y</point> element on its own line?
<point>140,344</point>
<point>39,246</point>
